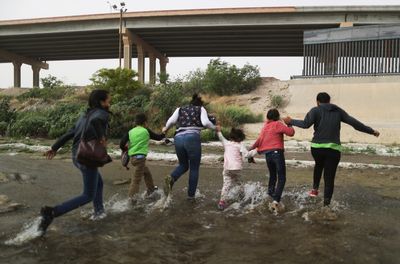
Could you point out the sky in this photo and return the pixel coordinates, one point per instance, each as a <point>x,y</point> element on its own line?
<point>79,72</point>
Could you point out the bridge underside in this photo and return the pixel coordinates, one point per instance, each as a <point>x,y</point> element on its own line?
<point>185,42</point>
<point>184,33</point>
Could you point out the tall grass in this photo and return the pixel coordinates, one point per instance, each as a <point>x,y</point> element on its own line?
<point>232,115</point>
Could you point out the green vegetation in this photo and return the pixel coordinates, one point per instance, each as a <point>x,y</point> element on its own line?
<point>121,83</point>
<point>232,116</point>
<point>50,111</point>
<point>7,115</point>
<point>276,101</point>
<point>221,78</point>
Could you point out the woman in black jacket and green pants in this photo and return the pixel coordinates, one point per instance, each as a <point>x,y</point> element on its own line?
<point>325,145</point>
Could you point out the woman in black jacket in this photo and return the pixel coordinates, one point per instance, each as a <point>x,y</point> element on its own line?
<point>91,125</point>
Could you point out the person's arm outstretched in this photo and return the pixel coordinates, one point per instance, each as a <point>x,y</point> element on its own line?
<point>205,121</point>
<point>171,121</point>
<point>308,121</point>
<point>59,143</point>
<point>155,136</point>
<point>220,135</point>
<point>288,131</point>
<point>124,141</point>
<point>357,125</point>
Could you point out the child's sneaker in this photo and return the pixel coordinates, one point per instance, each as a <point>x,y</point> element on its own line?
<point>221,205</point>
<point>47,214</point>
<point>168,183</point>
<point>313,193</point>
<point>98,216</point>
<point>274,207</point>
<point>150,192</point>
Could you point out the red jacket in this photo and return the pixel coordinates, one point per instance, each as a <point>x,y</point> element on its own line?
<point>271,136</point>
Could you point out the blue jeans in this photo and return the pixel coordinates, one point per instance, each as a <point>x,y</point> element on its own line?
<point>188,150</point>
<point>92,191</point>
<point>277,172</point>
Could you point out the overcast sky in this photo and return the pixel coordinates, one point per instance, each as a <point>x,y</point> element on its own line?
<point>79,72</point>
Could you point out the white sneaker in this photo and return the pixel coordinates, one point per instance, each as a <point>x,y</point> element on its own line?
<point>98,216</point>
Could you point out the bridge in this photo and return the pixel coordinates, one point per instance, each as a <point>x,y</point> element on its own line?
<point>261,31</point>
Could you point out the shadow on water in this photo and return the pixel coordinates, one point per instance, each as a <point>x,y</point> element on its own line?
<point>364,229</point>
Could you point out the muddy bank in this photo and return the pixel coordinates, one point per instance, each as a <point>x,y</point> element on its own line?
<point>367,206</point>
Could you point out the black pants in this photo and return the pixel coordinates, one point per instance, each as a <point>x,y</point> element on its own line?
<point>326,160</point>
<point>277,173</point>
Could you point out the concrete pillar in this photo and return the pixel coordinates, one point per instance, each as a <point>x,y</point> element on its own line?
<point>163,67</point>
<point>152,70</point>
<point>35,70</point>
<point>17,74</point>
<point>141,62</point>
<point>127,52</point>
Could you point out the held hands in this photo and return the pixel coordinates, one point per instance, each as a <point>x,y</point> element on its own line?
<point>376,133</point>
<point>287,120</point>
<point>50,154</point>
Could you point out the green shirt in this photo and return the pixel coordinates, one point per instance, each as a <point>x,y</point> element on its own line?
<point>327,145</point>
<point>139,139</point>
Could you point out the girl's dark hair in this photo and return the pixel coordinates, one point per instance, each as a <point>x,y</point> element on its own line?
<point>323,98</point>
<point>96,97</point>
<point>273,114</point>
<point>140,119</point>
<point>196,100</point>
<point>237,135</point>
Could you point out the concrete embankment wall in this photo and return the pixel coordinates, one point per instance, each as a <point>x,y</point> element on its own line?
<point>373,100</point>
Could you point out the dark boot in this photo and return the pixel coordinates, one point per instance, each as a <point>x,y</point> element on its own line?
<point>47,214</point>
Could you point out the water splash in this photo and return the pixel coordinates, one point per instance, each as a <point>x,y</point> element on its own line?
<point>29,232</point>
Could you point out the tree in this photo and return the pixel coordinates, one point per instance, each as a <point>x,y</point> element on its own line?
<point>121,83</point>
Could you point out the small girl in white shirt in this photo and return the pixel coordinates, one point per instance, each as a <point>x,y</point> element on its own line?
<point>234,153</point>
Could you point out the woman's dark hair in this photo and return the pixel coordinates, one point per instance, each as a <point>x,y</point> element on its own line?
<point>96,97</point>
<point>273,114</point>
<point>196,100</point>
<point>323,98</point>
<point>140,119</point>
<point>237,135</point>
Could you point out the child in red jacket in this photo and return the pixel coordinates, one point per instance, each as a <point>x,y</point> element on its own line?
<point>270,143</point>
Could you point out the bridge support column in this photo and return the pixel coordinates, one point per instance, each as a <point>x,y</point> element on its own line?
<point>17,73</point>
<point>36,71</point>
<point>144,48</point>
<point>17,61</point>
<point>152,70</point>
<point>141,62</point>
<point>127,52</point>
<point>163,66</point>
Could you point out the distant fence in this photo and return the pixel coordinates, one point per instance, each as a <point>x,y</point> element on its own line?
<point>355,51</point>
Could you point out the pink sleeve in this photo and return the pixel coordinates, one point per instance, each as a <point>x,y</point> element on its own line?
<point>289,131</point>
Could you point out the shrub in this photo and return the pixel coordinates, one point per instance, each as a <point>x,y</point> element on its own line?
<point>121,83</point>
<point>122,119</point>
<point>62,117</point>
<point>7,115</point>
<point>165,99</point>
<point>51,82</point>
<point>276,101</point>
<point>222,78</point>
<point>47,94</point>
<point>231,116</point>
<point>3,128</point>
<point>30,124</point>
<point>195,82</point>
<point>210,135</point>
